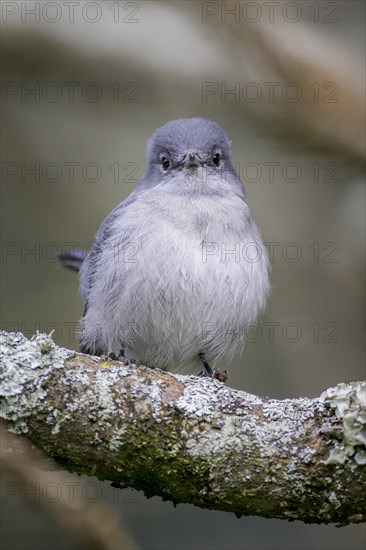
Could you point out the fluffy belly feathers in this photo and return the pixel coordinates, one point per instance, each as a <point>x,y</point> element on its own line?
<point>187,293</point>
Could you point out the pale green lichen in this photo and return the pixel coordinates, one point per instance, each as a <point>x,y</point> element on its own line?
<point>24,365</point>
<point>349,436</point>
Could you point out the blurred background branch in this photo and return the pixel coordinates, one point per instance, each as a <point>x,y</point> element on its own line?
<point>295,63</point>
<point>97,526</point>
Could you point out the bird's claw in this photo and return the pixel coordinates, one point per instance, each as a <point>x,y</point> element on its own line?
<point>122,359</point>
<point>221,375</point>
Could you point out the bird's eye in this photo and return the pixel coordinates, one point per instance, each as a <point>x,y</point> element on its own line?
<point>216,159</point>
<point>165,163</point>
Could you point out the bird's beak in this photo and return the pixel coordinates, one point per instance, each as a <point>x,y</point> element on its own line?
<point>191,160</point>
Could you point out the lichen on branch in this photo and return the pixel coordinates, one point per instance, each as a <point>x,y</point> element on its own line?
<point>189,439</point>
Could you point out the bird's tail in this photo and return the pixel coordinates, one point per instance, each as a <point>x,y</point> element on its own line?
<point>72,259</point>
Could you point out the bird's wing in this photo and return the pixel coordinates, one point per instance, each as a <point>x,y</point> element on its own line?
<point>91,260</point>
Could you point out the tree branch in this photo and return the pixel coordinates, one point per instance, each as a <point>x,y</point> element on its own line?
<point>95,525</point>
<point>189,439</point>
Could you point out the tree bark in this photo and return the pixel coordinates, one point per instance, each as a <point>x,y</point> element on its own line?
<point>189,439</point>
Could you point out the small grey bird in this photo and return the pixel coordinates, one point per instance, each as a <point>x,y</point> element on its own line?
<point>178,271</point>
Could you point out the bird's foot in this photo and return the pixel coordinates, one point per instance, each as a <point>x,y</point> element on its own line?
<point>221,375</point>
<point>122,359</point>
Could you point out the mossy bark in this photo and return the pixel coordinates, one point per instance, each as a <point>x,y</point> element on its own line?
<point>189,439</point>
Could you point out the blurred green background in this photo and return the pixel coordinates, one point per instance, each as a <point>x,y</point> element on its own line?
<point>84,85</point>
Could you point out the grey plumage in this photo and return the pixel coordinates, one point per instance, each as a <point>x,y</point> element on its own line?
<point>160,279</point>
